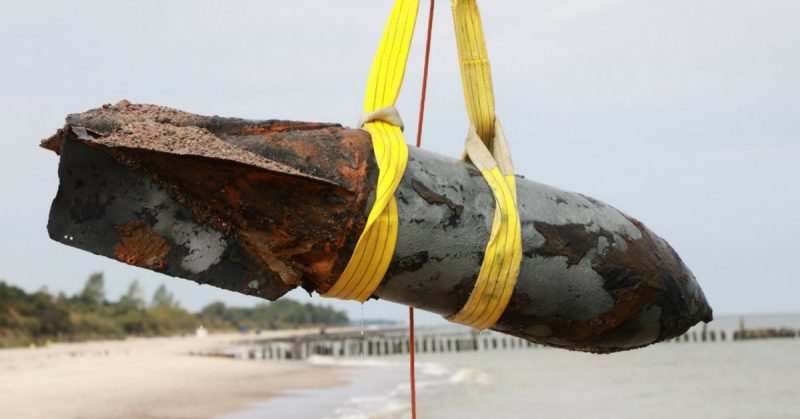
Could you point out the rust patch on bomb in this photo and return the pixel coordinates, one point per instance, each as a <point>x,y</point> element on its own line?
<point>53,143</point>
<point>141,246</point>
<point>258,245</point>
<point>303,187</point>
<point>282,126</point>
<point>286,223</point>
<point>648,272</point>
<point>570,240</point>
<point>434,198</point>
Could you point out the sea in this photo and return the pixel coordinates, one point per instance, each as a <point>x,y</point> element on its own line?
<point>730,379</point>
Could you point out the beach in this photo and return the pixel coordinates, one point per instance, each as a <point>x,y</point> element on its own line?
<point>160,378</point>
<point>145,378</point>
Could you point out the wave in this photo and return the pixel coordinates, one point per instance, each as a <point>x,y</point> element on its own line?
<point>469,376</point>
<point>349,362</point>
<point>392,402</point>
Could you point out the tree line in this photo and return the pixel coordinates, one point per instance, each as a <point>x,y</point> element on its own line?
<point>40,317</point>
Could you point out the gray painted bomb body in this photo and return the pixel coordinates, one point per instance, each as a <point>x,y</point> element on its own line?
<point>591,278</point>
<point>446,210</point>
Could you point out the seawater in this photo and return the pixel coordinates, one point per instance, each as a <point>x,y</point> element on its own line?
<point>751,379</point>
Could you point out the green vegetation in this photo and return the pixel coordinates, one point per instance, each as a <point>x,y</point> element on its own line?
<point>41,317</point>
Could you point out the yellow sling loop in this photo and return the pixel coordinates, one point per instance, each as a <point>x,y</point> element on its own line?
<point>485,147</point>
<point>375,246</point>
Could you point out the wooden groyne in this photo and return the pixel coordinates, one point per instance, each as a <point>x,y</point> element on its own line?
<point>765,334</point>
<point>742,333</point>
<point>375,342</point>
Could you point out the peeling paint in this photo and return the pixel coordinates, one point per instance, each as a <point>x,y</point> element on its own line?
<point>204,245</point>
<point>141,246</point>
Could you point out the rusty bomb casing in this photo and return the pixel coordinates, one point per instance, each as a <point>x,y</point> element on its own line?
<point>262,207</point>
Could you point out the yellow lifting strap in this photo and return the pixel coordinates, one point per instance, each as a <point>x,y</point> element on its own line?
<point>375,246</point>
<point>487,149</point>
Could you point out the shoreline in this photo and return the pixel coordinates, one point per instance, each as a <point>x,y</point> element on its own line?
<point>160,378</point>
<point>148,377</point>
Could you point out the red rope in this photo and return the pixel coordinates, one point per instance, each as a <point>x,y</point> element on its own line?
<point>419,143</point>
<point>425,75</point>
<point>411,353</point>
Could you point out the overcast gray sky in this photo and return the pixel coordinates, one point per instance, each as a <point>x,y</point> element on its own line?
<point>683,113</point>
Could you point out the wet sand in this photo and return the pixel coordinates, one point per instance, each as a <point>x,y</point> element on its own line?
<point>144,378</point>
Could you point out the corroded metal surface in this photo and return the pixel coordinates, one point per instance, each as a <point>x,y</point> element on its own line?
<point>592,278</point>
<point>261,207</point>
<point>195,197</point>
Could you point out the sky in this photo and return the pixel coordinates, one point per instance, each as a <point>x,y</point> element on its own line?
<point>684,114</point>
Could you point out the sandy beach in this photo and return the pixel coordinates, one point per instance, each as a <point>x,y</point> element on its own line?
<point>144,378</point>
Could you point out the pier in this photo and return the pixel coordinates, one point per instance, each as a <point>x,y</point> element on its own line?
<point>387,341</point>
<point>374,342</point>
